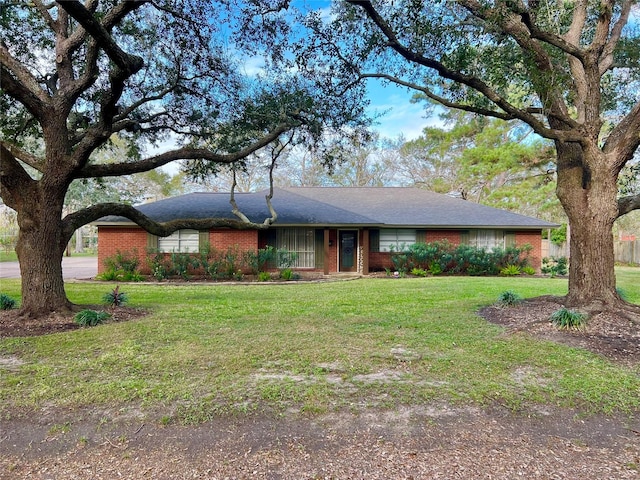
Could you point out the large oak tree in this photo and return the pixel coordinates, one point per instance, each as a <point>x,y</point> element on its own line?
<point>75,74</point>
<point>568,69</point>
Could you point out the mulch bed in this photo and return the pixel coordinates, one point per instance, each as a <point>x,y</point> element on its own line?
<point>610,334</point>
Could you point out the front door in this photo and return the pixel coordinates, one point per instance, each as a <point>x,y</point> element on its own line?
<point>348,250</point>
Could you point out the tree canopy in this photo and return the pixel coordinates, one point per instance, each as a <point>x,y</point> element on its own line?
<point>569,70</point>
<point>77,76</point>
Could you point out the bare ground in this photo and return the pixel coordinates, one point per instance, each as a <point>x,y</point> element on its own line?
<point>428,442</point>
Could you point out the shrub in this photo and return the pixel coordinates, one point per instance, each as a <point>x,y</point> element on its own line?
<point>528,270</point>
<point>90,318</point>
<point>288,274</point>
<point>553,266</point>
<point>508,298</point>
<point>569,319</point>
<point>442,257</point>
<point>419,272</point>
<point>115,297</point>
<point>510,271</point>
<point>264,276</point>
<point>6,302</point>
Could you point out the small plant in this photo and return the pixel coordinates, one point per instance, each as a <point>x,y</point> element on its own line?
<point>6,302</point>
<point>553,266</point>
<point>528,270</point>
<point>115,297</point>
<point>510,271</point>
<point>435,268</point>
<point>566,319</point>
<point>508,298</point>
<point>419,272</point>
<point>288,274</point>
<point>264,276</point>
<point>90,318</point>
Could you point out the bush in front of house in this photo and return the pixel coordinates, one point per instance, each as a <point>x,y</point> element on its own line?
<point>445,258</point>
<point>123,266</point>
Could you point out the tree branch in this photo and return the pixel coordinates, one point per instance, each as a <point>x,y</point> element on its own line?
<point>90,214</point>
<point>15,182</point>
<point>628,204</point>
<point>124,61</point>
<point>23,156</point>
<point>18,82</point>
<point>118,169</point>
<point>559,109</point>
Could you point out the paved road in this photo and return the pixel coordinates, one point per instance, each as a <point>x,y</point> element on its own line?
<point>72,267</point>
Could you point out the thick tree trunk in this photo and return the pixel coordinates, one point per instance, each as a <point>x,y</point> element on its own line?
<point>588,192</point>
<point>40,248</point>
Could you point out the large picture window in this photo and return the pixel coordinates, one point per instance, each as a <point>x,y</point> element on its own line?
<point>300,241</point>
<point>183,241</point>
<point>487,239</point>
<point>396,239</point>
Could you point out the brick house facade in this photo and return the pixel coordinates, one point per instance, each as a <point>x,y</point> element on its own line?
<point>331,229</point>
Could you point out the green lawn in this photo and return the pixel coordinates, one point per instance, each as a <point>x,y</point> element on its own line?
<point>208,350</point>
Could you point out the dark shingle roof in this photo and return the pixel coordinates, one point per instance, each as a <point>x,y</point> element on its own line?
<point>341,206</point>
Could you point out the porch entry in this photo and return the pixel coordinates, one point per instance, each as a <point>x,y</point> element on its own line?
<point>348,250</point>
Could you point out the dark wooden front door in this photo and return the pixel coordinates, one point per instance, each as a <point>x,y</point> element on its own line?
<point>348,250</point>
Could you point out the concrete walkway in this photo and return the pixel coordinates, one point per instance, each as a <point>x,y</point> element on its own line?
<point>72,268</point>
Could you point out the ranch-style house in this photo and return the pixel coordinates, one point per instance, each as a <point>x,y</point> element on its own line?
<point>331,229</point>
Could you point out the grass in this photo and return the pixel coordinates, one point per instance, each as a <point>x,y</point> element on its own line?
<point>220,349</point>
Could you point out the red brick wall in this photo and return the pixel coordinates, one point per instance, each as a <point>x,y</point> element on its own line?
<point>381,260</point>
<point>244,239</point>
<point>534,239</point>
<point>452,236</point>
<point>112,240</point>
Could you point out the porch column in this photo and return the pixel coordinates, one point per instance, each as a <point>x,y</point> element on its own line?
<point>365,251</point>
<point>326,252</point>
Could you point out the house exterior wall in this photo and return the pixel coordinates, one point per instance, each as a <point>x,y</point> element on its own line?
<point>535,240</point>
<point>112,240</point>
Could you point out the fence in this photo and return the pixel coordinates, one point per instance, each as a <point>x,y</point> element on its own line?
<point>627,252</point>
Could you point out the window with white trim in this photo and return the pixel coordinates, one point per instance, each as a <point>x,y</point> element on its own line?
<point>396,239</point>
<point>182,241</point>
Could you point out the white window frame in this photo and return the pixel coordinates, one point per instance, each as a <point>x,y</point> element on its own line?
<point>396,239</point>
<point>180,241</point>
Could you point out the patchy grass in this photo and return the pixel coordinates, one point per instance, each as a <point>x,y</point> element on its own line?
<point>211,349</point>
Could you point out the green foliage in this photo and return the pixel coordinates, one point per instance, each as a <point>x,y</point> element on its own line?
<point>508,298</point>
<point>7,302</point>
<point>554,266</point>
<point>511,271</point>
<point>123,266</point>
<point>288,274</point>
<point>257,261</point>
<point>115,297</point>
<point>90,318</point>
<point>559,235</point>
<point>419,272</point>
<point>443,257</point>
<point>264,276</point>
<point>566,319</point>
<point>528,270</point>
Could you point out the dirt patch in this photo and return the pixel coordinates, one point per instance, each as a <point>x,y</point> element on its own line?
<point>438,442</point>
<point>435,441</point>
<point>612,335</point>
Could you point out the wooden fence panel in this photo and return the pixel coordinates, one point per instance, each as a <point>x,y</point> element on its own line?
<point>627,252</point>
